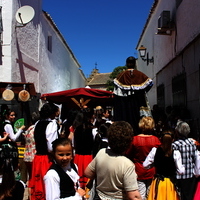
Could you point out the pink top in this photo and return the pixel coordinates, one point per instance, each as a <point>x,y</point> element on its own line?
<point>140,148</point>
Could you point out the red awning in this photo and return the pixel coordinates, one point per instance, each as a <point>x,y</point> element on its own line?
<point>80,97</point>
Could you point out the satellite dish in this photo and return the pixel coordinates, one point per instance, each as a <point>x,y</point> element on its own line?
<point>24,14</point>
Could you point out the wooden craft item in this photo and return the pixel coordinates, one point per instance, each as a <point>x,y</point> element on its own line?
<point>24,95</point>
<point>8,95</point>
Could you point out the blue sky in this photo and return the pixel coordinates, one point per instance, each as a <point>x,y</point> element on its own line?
<point>105,32</point>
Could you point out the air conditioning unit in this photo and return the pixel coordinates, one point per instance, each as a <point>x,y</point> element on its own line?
<point>164,20</point>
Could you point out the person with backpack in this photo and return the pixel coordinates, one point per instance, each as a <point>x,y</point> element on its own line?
<point>62,180</point>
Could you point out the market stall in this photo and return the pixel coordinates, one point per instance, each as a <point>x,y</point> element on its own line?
<point>20,97</point>
<point>17,91</point>
<point>80,97</point>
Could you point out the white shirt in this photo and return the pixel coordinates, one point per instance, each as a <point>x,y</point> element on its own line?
<point>94,132</point>
<point>51,133</point>
<point>52,184</point>
<point>148,163</point>
<point>9,129</point>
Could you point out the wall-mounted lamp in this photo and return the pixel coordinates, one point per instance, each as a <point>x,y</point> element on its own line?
<point>142,51</point>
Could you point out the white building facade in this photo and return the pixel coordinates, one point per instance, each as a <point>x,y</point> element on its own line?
<point>36,52</point>
<point>171,37</point>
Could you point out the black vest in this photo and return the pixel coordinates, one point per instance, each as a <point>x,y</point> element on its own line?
<point>3,129</point>
<point>40,137</point>
<point>164,165</point>
<point>66,184</point>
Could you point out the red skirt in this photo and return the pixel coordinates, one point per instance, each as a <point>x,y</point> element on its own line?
<point>82,162</point>
<point>41,164</point>
<point>197,192</point>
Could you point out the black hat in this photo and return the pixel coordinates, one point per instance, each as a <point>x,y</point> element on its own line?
<point>130,59</point>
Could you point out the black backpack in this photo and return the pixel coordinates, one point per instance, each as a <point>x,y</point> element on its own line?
<point>9,155</point>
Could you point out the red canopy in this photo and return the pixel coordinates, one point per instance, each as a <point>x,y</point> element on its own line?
<point>80,97</point>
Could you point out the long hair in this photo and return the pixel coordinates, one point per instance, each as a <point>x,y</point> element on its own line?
<point>166,142</point>
<point>8,181</point>
<point>103,129</point>
<point>83,118</point>
<point>69,122</point>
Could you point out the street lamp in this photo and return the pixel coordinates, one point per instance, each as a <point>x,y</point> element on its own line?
<point>142,51</point>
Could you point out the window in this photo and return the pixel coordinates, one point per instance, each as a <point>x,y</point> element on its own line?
<point>49,43</point>
<point>179,90</point>
<point>161,96</point>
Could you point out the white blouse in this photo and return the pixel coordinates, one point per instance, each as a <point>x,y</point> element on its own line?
<point>148,163</point>
<point>52,184</point>
<point>51,133</point>
<point>9,129</point>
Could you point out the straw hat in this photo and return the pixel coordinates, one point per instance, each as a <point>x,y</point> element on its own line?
<point>8,95</point>
<point>24,95</point>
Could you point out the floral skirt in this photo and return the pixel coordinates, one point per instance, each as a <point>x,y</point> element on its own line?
<point>41,164</point>
<point>82,162</point>
<point>162,190</point>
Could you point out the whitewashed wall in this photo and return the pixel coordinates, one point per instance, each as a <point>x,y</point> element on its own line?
<point>158,46</point>
<point>174,53</point>
<point>63,70</point>
<point>25,54</point>
<point>5,68</point>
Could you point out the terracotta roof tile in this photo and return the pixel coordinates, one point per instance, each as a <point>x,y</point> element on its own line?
<point>100,78</point>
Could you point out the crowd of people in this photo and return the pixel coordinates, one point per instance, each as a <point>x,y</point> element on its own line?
<point>40,155</point>
<point>135,154</point>
<point>91,156</point>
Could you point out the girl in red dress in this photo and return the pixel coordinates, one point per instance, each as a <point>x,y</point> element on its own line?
<point>45,132</point>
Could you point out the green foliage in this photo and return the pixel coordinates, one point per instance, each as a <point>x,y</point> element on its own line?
<point>113,75</point>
